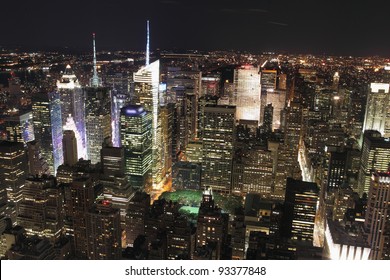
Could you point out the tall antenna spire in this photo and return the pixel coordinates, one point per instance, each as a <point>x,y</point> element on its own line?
<point>95,81</point>
<point>147,43</point>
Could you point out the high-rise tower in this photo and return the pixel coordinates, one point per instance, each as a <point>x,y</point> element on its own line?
<point>378,109</point>
<point>97,113</point>
<point>146,83</point>
<point>218,147</point>
<point>136,131</point>
<point>375,157</point>
<point>72,104</point>
<point>377,222</point>
<point>247,93</point>
<point>46,109</point>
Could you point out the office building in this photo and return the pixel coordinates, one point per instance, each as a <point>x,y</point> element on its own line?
<point>104,232</point>
<point>136,139</point>
<point>377,220</point>
<point>97,120</point>
<point>82,197</point>
<point>13,170</point>
<point>247,93</point>
<point>300,209</point>
<point>72,104</point>
<point>218,147</point>
<point>135,217</point>
<point>146,94</point>
<point>212,225</point>
<point>69,145</point>
<point>375,156</point>
<point>377,115</point>
<point>19,127</point>
<point>40,210</point>
<point>36,162</point>
<point>47,117</point>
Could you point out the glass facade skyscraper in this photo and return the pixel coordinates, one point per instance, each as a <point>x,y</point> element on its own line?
<point>136,139</point>
<point>146,94</point>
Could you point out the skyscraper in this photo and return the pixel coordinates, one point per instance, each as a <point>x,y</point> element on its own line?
<point>117,188</point>
<point>119,99</point>
<point>300,208</point>
<point>104,232</point>
<point>97,120</point>
<point>377,221</point>
<point>136,139</point>
<point>375,156</point>
<point>218,147</point>
<point>146,85</point>
<point>97,113</point>
<point>46,109</point>
<point>40,210</point>
<point>135,217</point>
<point>212,225</point>
<point>247,93</point>
<point>82,198</point>
<point>69,144</point>
<point>36,163</point>
<point>20,127</point>
<point>72,104</point>
<point>13,170</point>
<point>378,109</point>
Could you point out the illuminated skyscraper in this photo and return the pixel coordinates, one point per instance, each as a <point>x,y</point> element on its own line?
<point>218,147</point>
<point>300,208</point>
<point>268,81</point>
<point>97,113</point>
<point>97,120</point>
<point>117,188</point>
<point>167,115</point>
<point>277,98</point>
<point>72,103</point>
<point>40,210</point>
<point>82,198</point>
<point>20,127</point>
<point>377,222</point>
<point>13,170</point>
<point>257,174</point>
<point>104,232</point>
<point>136,132</point>
<point>118,102</point>
<point>378,109</point>
<point>247,93</point>
<point>212,225</point>
<point>46,109</point>
<point>375,157</point>
<point>146,85</point>
<point>36,163</point>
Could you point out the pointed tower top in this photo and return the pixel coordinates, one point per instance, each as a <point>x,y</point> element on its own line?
<point>147,44</point>
<point>95,80</point>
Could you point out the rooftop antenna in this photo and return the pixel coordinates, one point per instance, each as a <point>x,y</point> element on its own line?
<point>147,43</point>
<point>95,81</point>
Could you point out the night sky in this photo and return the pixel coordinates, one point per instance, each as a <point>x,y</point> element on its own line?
<point>299,26</point>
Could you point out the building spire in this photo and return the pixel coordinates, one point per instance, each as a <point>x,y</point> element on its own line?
<point>147,44</point>
<point>95,81</point>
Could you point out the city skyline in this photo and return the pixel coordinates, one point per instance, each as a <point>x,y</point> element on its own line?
<point>339,28</point>
<point>186,155</point>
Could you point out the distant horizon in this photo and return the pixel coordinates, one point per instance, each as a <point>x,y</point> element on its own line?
<point>86,50</point>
